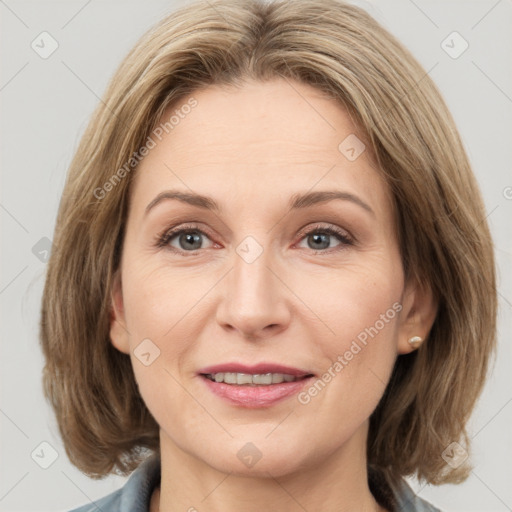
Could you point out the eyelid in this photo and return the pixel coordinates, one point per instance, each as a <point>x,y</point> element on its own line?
<point>163,238</point>
<point>328,227</point>
<point>345,237</point>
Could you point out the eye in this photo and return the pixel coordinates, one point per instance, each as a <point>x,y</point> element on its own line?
<point>321,238</point>
<point>189,238</point>
<point>184,239</point>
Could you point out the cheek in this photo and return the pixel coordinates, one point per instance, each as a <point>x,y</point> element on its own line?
<point>169,307</point>
<point>159,300</point>
<point>357,337</point>
<point>353,302</point>
<point>163,306</point>
<point>160,312</point>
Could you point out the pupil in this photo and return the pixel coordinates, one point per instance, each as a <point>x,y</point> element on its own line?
<point>318,239</point>
<point>190,238</point>
<point>194,239</point>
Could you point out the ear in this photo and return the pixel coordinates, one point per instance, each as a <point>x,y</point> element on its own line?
<point>118,331</point>
<point>417,316</point>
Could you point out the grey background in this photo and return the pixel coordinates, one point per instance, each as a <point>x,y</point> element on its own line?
<point>46,104</point>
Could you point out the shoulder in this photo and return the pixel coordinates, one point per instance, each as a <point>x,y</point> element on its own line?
<point>408,501</point>
<point>395,494</point>
<point>109,503</point>
<point>136,493</point>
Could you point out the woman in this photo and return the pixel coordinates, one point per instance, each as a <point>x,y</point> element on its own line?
<point>273,287</point>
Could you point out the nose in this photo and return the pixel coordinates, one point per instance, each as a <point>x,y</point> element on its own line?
<point>254,302</point>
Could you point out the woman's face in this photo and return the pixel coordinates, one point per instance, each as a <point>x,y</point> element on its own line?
<point>269,277</point>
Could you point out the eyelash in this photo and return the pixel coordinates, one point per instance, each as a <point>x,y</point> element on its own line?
<point>163,239</point>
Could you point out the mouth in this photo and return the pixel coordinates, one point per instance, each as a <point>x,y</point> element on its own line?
<point>254,386</point>
<point>248,379</point>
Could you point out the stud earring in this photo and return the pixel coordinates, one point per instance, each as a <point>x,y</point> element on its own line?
<point>415,341</point>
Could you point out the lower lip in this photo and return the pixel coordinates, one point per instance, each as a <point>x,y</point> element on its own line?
<point>253,397</point>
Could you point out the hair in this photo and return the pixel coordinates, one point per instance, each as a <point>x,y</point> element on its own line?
<point>444,239</point>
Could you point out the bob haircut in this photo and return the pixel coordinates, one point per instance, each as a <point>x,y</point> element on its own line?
<point>444,239</point>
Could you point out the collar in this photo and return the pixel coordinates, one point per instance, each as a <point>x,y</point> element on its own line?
<point>135,495</point>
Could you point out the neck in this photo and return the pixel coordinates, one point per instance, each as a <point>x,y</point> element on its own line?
<point>337,483</point>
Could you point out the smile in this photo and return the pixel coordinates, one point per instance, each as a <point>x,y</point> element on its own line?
<point>248,379</point>
<point>256,386</point>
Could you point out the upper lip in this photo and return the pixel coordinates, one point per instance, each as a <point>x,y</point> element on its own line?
<point>256,369</point>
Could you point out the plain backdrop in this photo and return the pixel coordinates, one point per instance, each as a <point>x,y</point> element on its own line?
<point>46,104</point>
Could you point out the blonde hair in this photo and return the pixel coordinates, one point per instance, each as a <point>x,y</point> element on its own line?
<point>444,239</point>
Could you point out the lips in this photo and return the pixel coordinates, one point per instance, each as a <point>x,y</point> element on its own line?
<point>257,369</point>
<point>254,386</point>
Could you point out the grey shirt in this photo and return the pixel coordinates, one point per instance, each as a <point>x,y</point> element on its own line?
<point>135,495</point>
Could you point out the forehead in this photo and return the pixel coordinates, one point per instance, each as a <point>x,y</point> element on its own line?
<point>267,140</point>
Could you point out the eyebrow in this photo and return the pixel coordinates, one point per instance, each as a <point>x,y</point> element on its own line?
<point>297,201</point>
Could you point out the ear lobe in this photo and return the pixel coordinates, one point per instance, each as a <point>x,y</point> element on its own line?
<point>417,317</point>
<point>118,331</point>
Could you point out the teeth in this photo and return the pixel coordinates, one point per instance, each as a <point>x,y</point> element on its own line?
<point>243,378</point>
<point>230,378</point>
<point>263,379</point>
<point>277,378</point>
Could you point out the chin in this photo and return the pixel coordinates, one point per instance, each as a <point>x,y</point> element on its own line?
<point>259,458</point>
<point>277,465</point>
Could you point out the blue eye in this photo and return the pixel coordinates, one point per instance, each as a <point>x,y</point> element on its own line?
<point>191,238</point>
<point>187,239</point>
<point>320,239</point>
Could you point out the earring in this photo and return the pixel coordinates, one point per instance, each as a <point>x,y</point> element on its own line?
<point>415,341</point>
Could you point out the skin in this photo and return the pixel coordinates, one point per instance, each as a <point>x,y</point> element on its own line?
<point>251,149</point>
